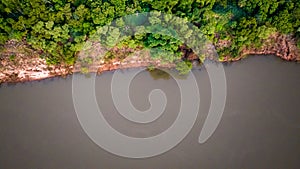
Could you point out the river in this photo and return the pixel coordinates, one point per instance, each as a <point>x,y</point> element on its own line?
<point>260,127</point>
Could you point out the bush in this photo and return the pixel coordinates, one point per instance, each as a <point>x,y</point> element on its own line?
<point>184,67</point>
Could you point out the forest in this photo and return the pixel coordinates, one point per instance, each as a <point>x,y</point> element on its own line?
<point>59,29</point>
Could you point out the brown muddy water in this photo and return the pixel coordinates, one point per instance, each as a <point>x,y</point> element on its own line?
<point>260,127</point>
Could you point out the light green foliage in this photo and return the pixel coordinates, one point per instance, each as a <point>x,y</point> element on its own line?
<point>165,5</point>
<point>184,67</point>
<point>84,70</point>
<point>112,37</point>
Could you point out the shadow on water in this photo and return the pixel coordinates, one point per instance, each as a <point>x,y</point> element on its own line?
<point>157,74</point>
<point>165,74</point>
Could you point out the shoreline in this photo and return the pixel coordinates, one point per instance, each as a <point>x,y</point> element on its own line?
<point>16,66</point>
<point>63,71</point>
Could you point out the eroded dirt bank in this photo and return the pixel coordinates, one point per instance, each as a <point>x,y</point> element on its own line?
<point>283,46</point>
<point>20,64</point>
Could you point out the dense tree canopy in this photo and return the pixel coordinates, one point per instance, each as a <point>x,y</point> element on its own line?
<point>59,28</point>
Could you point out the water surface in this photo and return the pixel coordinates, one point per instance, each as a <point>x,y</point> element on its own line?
<point>260,127</point>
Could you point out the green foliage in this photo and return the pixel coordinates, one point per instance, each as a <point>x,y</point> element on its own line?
<point>60,28</point>
<point>165,5</point>
<point>84,70</point>
<point>298,38</point>
<point>184,67</point>
<point>12,57</point>
<point>163,47</point>
<point>151,68</point>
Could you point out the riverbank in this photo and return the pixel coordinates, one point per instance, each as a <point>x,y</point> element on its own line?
<point>19,63</point>
<point>282,46</point>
